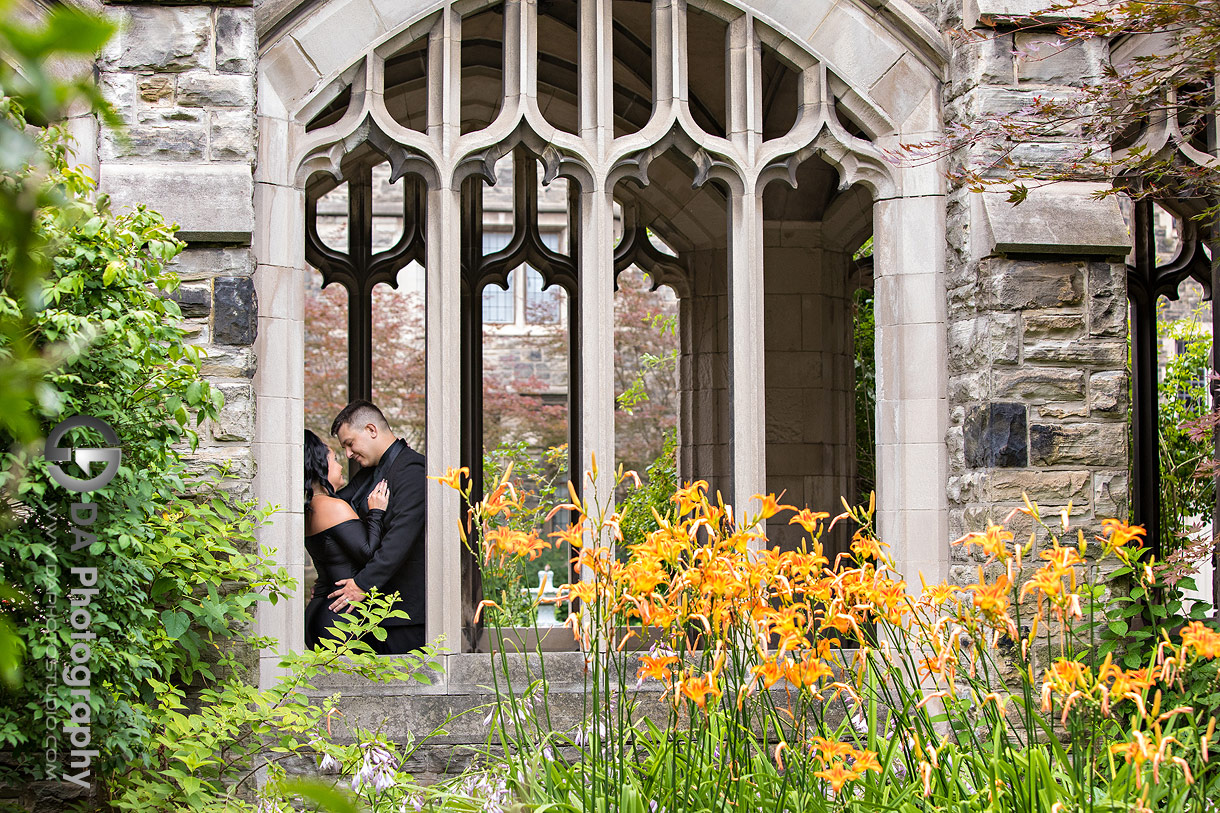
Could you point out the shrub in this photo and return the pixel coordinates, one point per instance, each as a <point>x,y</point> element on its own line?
<point>177,567</point>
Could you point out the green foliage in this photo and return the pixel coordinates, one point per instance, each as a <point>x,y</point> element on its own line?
<point>32,95</point>
<point>651,364</point>
<point>205,759</point>
<point>1183,399</point>
<point>659,484</point>
<point>177,564</point>
<point>864,336</point>
<point>510,583</point>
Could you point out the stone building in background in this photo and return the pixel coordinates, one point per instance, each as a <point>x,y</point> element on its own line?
<point>752,139</point>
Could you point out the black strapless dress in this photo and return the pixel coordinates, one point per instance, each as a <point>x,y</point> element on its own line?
<point>337,553</point>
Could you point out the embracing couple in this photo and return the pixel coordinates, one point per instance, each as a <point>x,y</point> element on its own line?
<point>368,533</point>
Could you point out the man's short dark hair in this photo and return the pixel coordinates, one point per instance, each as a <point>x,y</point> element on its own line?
<point>359,413</point>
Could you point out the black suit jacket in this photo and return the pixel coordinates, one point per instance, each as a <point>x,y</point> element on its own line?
<point>397,563</point>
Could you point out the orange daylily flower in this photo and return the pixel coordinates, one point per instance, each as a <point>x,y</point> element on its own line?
<point>580,591</point>
<point>837,776</point>
<point>692,495</point>
<point>771,505</point>
<point>657,667</point>
<point>866,761</point>
<point>1118,535</point>
<point>1202,639</point>
<point>807,672</point>
<point>453,477</point>
<point>830,750</point>
<point>811,521</point>
<point>992,598</point>
<point>994,541</point>
<point>573,534</point>
<point>769,672</point>
<point>698,689</point>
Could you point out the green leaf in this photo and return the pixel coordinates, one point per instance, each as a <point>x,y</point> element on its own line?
<point>325,796</point>
<point>176,623</point>
<point>1118,627</point>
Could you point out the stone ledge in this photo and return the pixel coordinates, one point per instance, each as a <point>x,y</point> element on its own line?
<point>1061,219</point>
<point>211,203</point>
<point>1016,12</point>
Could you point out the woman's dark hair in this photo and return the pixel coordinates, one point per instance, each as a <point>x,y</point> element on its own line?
<point>317,466</point>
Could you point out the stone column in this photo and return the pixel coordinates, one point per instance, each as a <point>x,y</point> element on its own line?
<point>1036,304</point>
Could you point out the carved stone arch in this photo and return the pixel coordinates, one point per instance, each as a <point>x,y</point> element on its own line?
<point>314,52</point>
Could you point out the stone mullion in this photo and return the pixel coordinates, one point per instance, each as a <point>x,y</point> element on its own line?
<point>593,330</point>
<point>668,60</point>
<point>443,335</point>
<point>746,351</point>
<point>745,280</point>
<point>596,82</point>
<point>443,389</point>
<point>745,86</point>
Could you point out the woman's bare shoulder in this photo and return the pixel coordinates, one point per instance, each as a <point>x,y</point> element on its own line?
<point>328,512</point>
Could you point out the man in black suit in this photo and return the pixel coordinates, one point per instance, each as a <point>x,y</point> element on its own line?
<point>398,563</point>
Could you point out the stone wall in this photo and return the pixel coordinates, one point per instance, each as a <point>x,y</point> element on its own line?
<point>811,455</point>
<point>1036,305</point>
<point>182,80</point>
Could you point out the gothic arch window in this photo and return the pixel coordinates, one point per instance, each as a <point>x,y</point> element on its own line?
<point>755,166</point>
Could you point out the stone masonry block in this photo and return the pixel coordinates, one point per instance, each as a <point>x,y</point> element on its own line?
<point>236,421</point>
<point>1111,495</point>
<point>170,116</point>
<point>205,263</point>
<point>1064,219</point>
<point>159,38</point>
<point>120,90</point>
<point>231,135</point>
<point>1046,59</point>
<point>236,44</point>
<point>229,362</point>
<point>1002,341</point>
<point>157,89</point>
<point>198,89</point>
<point>1108,392</point>
<point>1049,487</point>
<point>974,344</point>
<point>194,301</point>
<point>1060,411</point>
<point>1067,351</point>
<point>1107,299</point>
<point>236,311</point>
<point>213,203</point>
<point>1054,325</point>
<point>995,436</point>
<point>1090,444</point>
<point>1023,284</point>
<point>173,141</point>
<point>969,386</point>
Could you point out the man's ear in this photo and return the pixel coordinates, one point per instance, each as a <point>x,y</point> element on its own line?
<point>372,430</point>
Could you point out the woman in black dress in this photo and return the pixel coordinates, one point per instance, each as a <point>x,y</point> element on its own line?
<point>338,541</point>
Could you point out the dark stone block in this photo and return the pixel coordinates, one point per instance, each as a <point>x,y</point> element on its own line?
<point>236,311</point>
<point>193,301</point>
<point>995,436</point>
